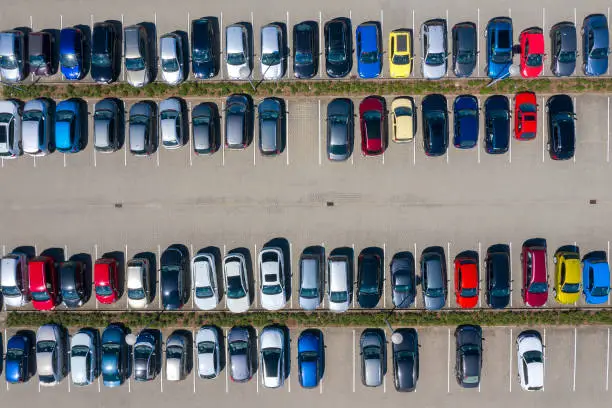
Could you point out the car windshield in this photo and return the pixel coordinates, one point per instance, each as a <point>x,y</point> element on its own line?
<point>37,60</point>
<point>271,289</point>
<point>200,55</point>
<point>571,288</point>
<point>466,57</point>
<point>368,289</point>
<point>40,296</point>
<point>206,347</point>
<point>32,116</point>
<point>170,65</point>
<point>599,53</point>
<point>201,121</point>
<point>8,62</point>
<point>498,114</point>
<point>401,59</point>
<point>466,112</point>
<point>101,60</point>
<point>110,348</point>
<point>534,60</point>
<point>14,354</point>
<point>136,294</point>
<point>174,352</point>
<point>498,292</point>
<point>600,291</point>
<point>434,292</point>
<point>104,290</point>
<point>435,59</point>
<point>309,356</point>
<point>238,347</point>
<point>403,111</point>
<point>234,288</point>
<point>371,352</point>
<point>468,293</point>
<point>309,293</point>
<point>139,120</point>
<point>336,56</point>
<point>338,297</point>
<point>538,287</point>
<point>403,288</point>
<point>236,58</point>
<point>64,116</point>
<point>532,356</point>
<point>168,114</point>
<point>103,114</point>
<point>268,114</point>
<point>272,357</point>
<point>68,60</point>
<point>369,57</point>
<point>45,346</point>
<point>567,56</point>
<point>272,58</point>
<point>11,291</point>
<point>303,58</point>
<point>70,295</point>
<point>203,292</point>
<point>134,64</point>
<point>46,379</point>
<point>79,351</point>
<point>436,118</point>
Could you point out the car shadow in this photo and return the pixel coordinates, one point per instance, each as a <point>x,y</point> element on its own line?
<point>121,121</point>
<point>595,256</point>
<point>568,248</point>
<point>185,48</point>
<point>249,272</point>
<point>55,44</point>
<point>216,253</point>
<point>28,250</point>
<point>119,257</point>
<point>31,336</point>
<point>57,254</point>
<point>117,58</point>
<point>97,346</point>
<point>533,242</point>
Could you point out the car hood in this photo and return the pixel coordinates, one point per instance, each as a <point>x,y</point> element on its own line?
<point>273,302</point>
<point>565,68</point>
<point>203,70</point>
<point>29,135</point>
<point>567,298</point>
<point>499,302</point>
<point>338,307</point>
<point>205,303</point>
<point>433,303</point>
<point>238,71</point>
<point>172,78</point>
<point>101,74</point>
<point>309,304</point>
<point>596,66</point>
<point>434,71</point>
<point>78,370</point>
<point>62,138</point>
<point>238,305</point>
<point>272,71</point>
<point>173,370</point>
<point>137,78</point>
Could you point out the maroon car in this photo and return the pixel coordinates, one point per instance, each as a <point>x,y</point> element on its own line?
<point>373,122</point>
<point>41,49</point>
<point>535,277</point>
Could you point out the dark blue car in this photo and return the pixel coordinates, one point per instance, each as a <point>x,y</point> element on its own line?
<point>204,48</point>
<point>435,124</point>
<point>595,45</point>
<point>18,359</point>
<point>114,356</point>
<point>69,126</point>
<point>72,49</point>
<point>311,358</point>
<point>369,50</point>
<point>466,115</point>
<point>499,47</point>
<point>497,124</point>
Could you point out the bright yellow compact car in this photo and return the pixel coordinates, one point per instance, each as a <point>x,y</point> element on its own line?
<point>400,53</point>
<point>402,119</point>
<point>567,277</point>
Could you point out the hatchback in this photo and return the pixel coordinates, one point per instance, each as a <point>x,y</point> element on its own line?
<point>209,352</point>
<point>105,53</point>
<point>535,276</point>
<point>177,353</point>
<point>44,283</point>
<point>373,351</point>
<point>403,280</point>
<point>595,45</point>
<point>338,47</point>
<point>467,280</point>
<point>465,52</point>
<point>205,291</point>
<point>147,356</point>
<point>238,121</point>
<point>531,42</point>
<point>272,126</point>
<point>205,48</point>
<point>400,53</point>
<point>115,355</point>
<point>37,127</point>
<point>173,123</point>
<point>42,53</point>
<point>312,280</point>
<point>305,49</point>
<point>72,284</point>
<point>108,125</point>
<point>369,50</point>
<point>405,360</point>
<point>530,360</point>
<point>497,266</point>
<point>19,359</point>
<point>497,124</point>
<point>240,350</point>
<point>13,55</point>
<point>137,58</point>
<point>403,119</point>
<point>339,283</point>
<point>84,357</point>
<point>72,52</point>
<point>273,356</point>
<point>171,52</point>
<point>595,279</point>
<point>563,48</point>
<point>369,280</point>
<point>10,129</point>
<point>373,124</point>
<point>51,353</point>
<point>499,47</point>
<point>272,278</point>
<point>138,281</point>
<point>143,128</point>
<point>433,278</point>
<point>236,283</point>
<point>468,352</point>
<point>311,358</point>
<point>567,285</point>
<point>525,115</point>
<point>175,276</point>
<point>273,52</point>
<point>238,51</point>
<point>435,125</point>
<point>340,129</point>
<point>70,126</point>
<point>205,128</point>
<point>14,279</point>
<point>561,127</point>
<point>466,115</point>
<point>106,280</point>
<point>434,51</point>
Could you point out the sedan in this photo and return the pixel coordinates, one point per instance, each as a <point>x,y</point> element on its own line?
<point>272,126</point>
<point>205,128</point>
<point>468,363</point>
<point>311,358</point>
<point>204,48</point>
<point>174,278</point>
<point>338,47</point>
<point>10,130</point>
<point>171,53</point>
<point>400,53</point>
<point>272,278</point>
<point>238,121</point>
<point>561,127</point>
<point>535,276</point>
<point>178,351</point>
<point>238,51</point>
<point>105,53</point>
<point>114,356</point>
<point>525,115</point>
<point>137,58</point>
<point>14,279</point>
<point>567,276</point>
<point>51,354</point>
<point>531,42</point>
<point>106,280</point>
<point>595,45</point>
<point>369,280</point>
<point>369,50</point>
<point>13,55</point>
<point>273,356</point>
<point>563,48</point>
<point>72,284</point>
<point>403,119</point>
<point>143,128</point>
<point>530,360</point>
<point>465,49</point>
<point>209,352</point>
<point>19,359</point>
<point>84,357</point>
<point>405,360</point>
<point>72,51</point>
<point>305,49</point>
<point>466,121</point>
<point>205,291</point>
<point>499,47</point>
<point>312,279</point>
<point>173,123</point>
<point>373,350</point>
<point>69,124</point>
<point>497,266</point>
<point>273,52</point>
<point>42,53</point>
<point>138,281</point>
<point>403,280</point>
<point>595,279</point>
<point>467,280</point>
<point>373,123</point>
<point>236,284</point>
<point>340,129</point>
<point>108,125</point>
<point>240,350</point>
<point>435,125</point>
<point>497,124</point>
<point>433,278</point>
<point>37,127</point>
<point>146,352</point>
<point>435,49</point>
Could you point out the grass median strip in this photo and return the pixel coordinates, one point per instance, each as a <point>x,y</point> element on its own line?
<point>293,88</point>
<point>315,319</point>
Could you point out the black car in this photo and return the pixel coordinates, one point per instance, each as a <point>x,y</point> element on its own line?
<point>468,364</point>
<point>563,48</point>
<point>238,121</point>
<point>464,49</point>
<point>42,53</point>
<point>205,128</point>
<point>271,113</point>
<point>174,278</point>
<point>72,284</point>
<point>497,264</point>
<point>403,279</point>
<point>105,53</point>
<point>340,129</point>
<point>205,48</point>
<point>370,280</point>
<point>435,124</point>
<point>561,127</point>
<point>497,124</point>
<point>306,49</point>
<point>338,47</point>
<point>147,355</point>
<point>405,360</point>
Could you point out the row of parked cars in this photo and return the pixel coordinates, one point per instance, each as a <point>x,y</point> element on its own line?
<point>40,127</point>
<point>48,284</point>
<point>37,53</point>
<point>87,355</point>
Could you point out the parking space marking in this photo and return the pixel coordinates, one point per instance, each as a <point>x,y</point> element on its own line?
<point>258,371</point>
<point>448,365</point>
<point>319,132</point>
<point>354,360</point>
<point>291,274</point>
<point>321,386</point>
<point>287,115</point>
<point>130,382</point>
<point>31,24</point>
<point>61,22</point>
<point>510,12</point>
<point>157,154</point>
<point>320,46</point>
<point>608,360</point>
<point>158,274</point>
<point>511,280</point>
<point>574,376</point>
<point>383,277</point>
<point>574,16</point>
<point>478,41</point>
<point>510,364</point>
<point>543,19</point>
<point>574,102</point>
<point>226,368</point>
<point>125,261</point>
<point>413,22</point>
<point>193,349</point>
<point>544,363</point>
<point>608,134</point>
<point>99,388</point>
<point>255,274</point>
<point>543,130</point>
<point>64,159</point>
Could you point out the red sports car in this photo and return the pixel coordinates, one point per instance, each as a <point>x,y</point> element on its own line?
<point>525,116</point>
<point>466,281</point>
<point>535,277</point>
<point>532,52</point>
<point>106,278</point>
<point>373,121</point>
<point>44,283</point>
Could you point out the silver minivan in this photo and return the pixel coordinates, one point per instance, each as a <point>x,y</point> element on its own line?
<point>311,280</point>
<point>238,52</point>
<point>12,56</point>
<point>137,59</point>
<point>339,283</point>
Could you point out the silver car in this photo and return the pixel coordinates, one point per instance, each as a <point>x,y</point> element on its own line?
<point>272,356</point>
<point>209,352</point>
<point>273,57</point>
<point>176,356</point>
<point>84,357</point>
<point>10,129</point>
<point>434,48</point>
<point>373,357</point>
<point>14,280</point>
<point>143,128</point>
<point>172,123</point>
<point>137,60</point>
<point>106,126</point>
<point>12,56</point>
<point>51,353</point>
<point>171,53</point>
<point>37,127</point>
<point>239,344</point>
<point>206,293</point>
<point>339,283</point>
<point>238,52</point>
<point>311,280</point>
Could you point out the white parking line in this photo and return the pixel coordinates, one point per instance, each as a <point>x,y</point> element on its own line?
<point>319,132</point>
<point>543,19</point>
<point>99,388</point>
<point>544,363</point>
<point>158,274</point>
<point>574,16</point>
<point>413,22</point>
<point>478,41</point>
<point>383,277</point>
<point>31,24</point>
<point>448,365</point>
<point>320,50</point>
<point>3,250</point>
<point>254,151</point>
<point>354,360</point>
<point>258,371</point>
<point>226,368</point>
<point>61,22</point>
<point>64,159</point>
<point>190,136</point>
<point>608,134</point>
<point>157,154</point>
<point>575,341</point>
<point>320,386</point>
<point>129,384</point>
<point>125,261</point>
<point>193,349</point>
<point>543,130</point>
<point>608,361</point>
<point>510,12</point>
<point>256,274</point>
<point>511,280</point>
<point>510,364</point>
<point>287,116</point>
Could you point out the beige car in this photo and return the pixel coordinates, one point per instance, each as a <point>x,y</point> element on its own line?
<point>403,119</point>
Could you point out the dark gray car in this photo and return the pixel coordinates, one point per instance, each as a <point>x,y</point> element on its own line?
<point>373,348</point>
<point>143,128</point>
<point>108,124</point>
<point>464,49</point>
<point>340,129</point>
<point>403,279</point>
<point>238,121</point>
<point>312,283</point>
<point>433,278</point>
<point>563,48</point>
<point>205,128</point>
<point>468,363</point>
<point>240,349</point>
<point>405,360</point>
<point>271,113</point>
<point>146,355</point>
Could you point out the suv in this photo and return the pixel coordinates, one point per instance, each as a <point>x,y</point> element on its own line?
<point>435,49</point>
<point>10,129</point>
<point>272,278</point>
<point>312,283</point>
<point>535,276</point>
<point>14,279</point>
<point>137,59</point>
<point>373,347</point>
<point>499,47</point>
<point>339,283</point>
<point>238,52</point>
<point>12,56</point>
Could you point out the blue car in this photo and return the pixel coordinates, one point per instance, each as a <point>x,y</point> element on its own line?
<point>466,115</point>
<point>18,359</point>
<point>595,45</point>
<point>311,358</point>
<point>497,124</point>
<point>595,279</point>
<point>499,47</point>
<point>72,49</point>
<point>369,50</point>
<point>114,356</point>
<point>69,126</point>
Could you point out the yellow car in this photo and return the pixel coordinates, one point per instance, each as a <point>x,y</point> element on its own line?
<point>402,119</point>
<point>400,53</point>
<point>567,277</point>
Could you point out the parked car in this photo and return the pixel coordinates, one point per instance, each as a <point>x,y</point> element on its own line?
<point>106,280</point>
<point>468,365</point>
<point>139,285</point>
<point>72,284</point>
<point>209,352</point>
<point>567,276</point>
<point>338,47</point>
<point>466,114</point>
<point>467,281</point>
<point>271,114</point>
<point>143,128</point>
<point>238,51</point>
<point>531,42</point>
<point>72,53</point>
<point>205,128</point>
<point>311,358</point>
<point>306,49</point>
<point>405,360</point>
<point>205,48</point>
<point>595,279</point>
<point>205,291</point>
<point>400,53</point>
<point>373,123</point>
<point>499,47</point>
<point>433,278</point>
<point>19,364</point>
<point>403,119</point>
<point>272,278</point>
<point>10,130</point>
<point>238,121</point>
<point>339,283</point>
<point>434,51</point>
<point>44,283</point>
<point>114,360</point>
<point>373,351</point>
<point>561,127</point>
<point>465,52</point>
<point>173,123</point>
<point>273,356</point>
<point>497,265</point>
<point>147,351</point>
<point>51,364</point>
<point>136,51</point>
<point>525,115</point>
<point>177,353</point>
<point>563,48</point>
<point>37,127</point>
<point>105,53</point>
<point>14,279</point>
<point>13,55</point>
<point>530,360</point>
<point>497,124</point>
<point>535,276</point>
<point>312,280</point>
<point>273,52</point>
<point>435,125</point>
<point>340,129</point>
<point>172,61</point>
<point>42,53</point>
<point>70,126</point>
<point>174,278</point>
<point>369,49</point>
<point>369,280</point>
<point>240,350</point>
<point>238,298</point>
<point>84,357</point>
<point>108,125</point>
<point>595,45</point>
<point>403,280</point>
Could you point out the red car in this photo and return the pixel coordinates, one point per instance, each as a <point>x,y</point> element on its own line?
<point>373,121</point>
<point>532,52</point>
<point>535,277</point>
<point>44,283</point>
<point>466,281</point>
<point>525,116</point>
<point>106,278</point>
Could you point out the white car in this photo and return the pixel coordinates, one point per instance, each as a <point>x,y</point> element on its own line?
<point>434,49</point>
<point>209,353</point>
<point>272,52</point>
<point>238,52</point>
<point>83,358</point>
<point>10,130</point>
<point>50,354</point>
<point>14,280</point>
<point>171,53</point>
<point>138,283</point>
<point>340,286</point>
<point>172,123</point>
<point>272,357</point>
<point>530,358</point>
<point>272,278</point>
<point>205,291</point>
<point>235,281</point>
